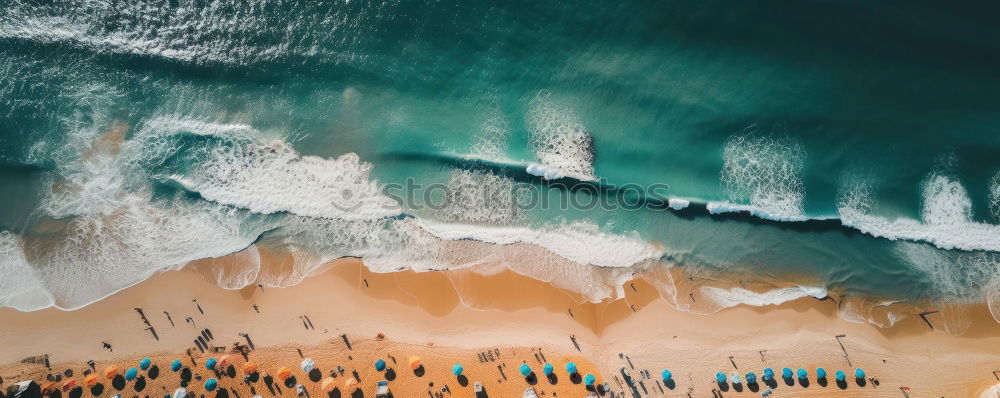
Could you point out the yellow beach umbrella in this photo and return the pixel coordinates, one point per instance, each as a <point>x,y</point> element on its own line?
<point>90,380</point>
<point>329,384</point>
<point>249,368</point>
<point>414,362</point>
<point>110,372</point>
<point>284,373</point>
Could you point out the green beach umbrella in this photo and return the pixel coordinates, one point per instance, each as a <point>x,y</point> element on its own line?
<point>571,367</point>
<point>589,379</point>
<point>457,369</point>
<point>858,373</point>
<point>820,373</point>
<point>144,363</point>
<point>720,377</point>
<point>131,374</point>
<point>210,363</point>
<point>666,374</point>
<point>379,365</point>
<point>548,369</point>
<point>803,374</point>
<point>525,370</point>
<point>751,378</point>
<point>840,375</point>
<point>768,374</point>
<point>211,384</point>
<point>176,365</point>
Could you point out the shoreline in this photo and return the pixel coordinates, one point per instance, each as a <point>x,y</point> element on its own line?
<point>431,307</point>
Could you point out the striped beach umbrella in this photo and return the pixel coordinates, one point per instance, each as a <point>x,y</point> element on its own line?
<point>90,380</point>
<point>329,384</point>
<point>414,362</point>
<point>735,378</point>
<point>180,393</point>
<point>69,384</point>
<point>284,373</point>
<point>308,364</point>
<point>110,372</point>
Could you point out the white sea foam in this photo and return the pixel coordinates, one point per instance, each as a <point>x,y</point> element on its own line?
<point>20,287</point>
<point>678,203</point>
<point>561,142</point>
<point>994,197</point>
<point>762,175</point>
<point>481,197</point>
<point>734,296</point>
<point>947,216</point>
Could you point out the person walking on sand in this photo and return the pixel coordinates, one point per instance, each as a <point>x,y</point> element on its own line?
<point>107,346</point>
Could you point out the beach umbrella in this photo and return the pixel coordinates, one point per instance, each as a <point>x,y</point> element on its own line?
<point>820,373</point>
<point>249,368</point>
<point>90,380</point>
<point>210,363</point>
<point>284,373</point>
<point>786,373</point>
<point>180,393</point>
<point>110,372</point>
<point>329,384</point>
<point>223,362</point>
<point>840,375</point>
<point>802,374</point>
<point>144,363</point>
<point>751,378</point>
<point>414,362</point>
<point>69,384</point>
<point>666,374</point>
<point>571,367</point>
<point>457,369</point>
<point>735,378</point>
<point>589,379</point>
<point>720,377</point>
<point>768,374</point>
<point>525,370</point>
<point>548,369</point>
<point>176,365</point>
<point>307,365</point>
<point>131,374</point>
<point>211,384</point>
<point>379,365</point>
<point>858,373</point>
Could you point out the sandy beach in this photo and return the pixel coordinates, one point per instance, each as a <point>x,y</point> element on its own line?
<point>397,315</point>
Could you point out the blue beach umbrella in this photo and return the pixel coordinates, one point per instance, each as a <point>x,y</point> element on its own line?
<point>525,370</point>
<point>803,374</point>
<point>144,363</point>
<point>548,369</point>
<point>751,378</point>
<point>379,365</point>
<point>820,373</point>
<point>768,374</point>
<point>211,384</point>
<point>457,369</point>
<point>210,363</point>
<point>589,379</point>
<point>720,377</point>
<point>666,374</point>
<point>131,374</point>
<point>176,365</point>
<point>840,375</point>
<point>786,373</point>
<point>858,373</point>
<point>571,367</point>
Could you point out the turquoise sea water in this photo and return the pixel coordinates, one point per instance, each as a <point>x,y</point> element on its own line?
<point>854,143</point>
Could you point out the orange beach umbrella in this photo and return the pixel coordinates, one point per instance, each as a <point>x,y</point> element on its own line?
<point>110,372</point>
<point>284,373</point>
<point>223,362</point>
<point>329,384</point>
<point>90,380</point>
<point>249,368</point>
<point>69,384</point>
<point>349,382</point>
<point>47,386</point>
<point>414,362</point>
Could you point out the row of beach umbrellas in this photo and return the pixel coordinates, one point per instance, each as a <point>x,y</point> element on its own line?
<point>786,373</point>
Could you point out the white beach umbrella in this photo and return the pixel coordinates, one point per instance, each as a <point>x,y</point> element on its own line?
<point>308,364</point>
<point>180,393</point>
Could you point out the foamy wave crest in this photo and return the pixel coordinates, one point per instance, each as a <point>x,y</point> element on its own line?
<point>734,296</point>
<point>762,175</point>
<point>958,275</point>
<point>561,142</point>
<point>581,242</point>
<point>20,287</point>
<point>481,197</point>
<point>678,203</point>
<point>272,177</point>
<point>994,197</point>
<point>947,216</point>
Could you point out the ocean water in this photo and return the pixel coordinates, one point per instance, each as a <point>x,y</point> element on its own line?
<point>849,147</point>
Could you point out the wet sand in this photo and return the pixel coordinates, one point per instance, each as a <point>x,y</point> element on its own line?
<point>448,317</point>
